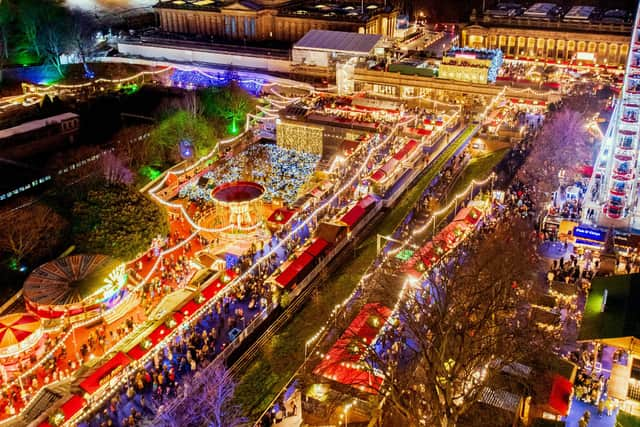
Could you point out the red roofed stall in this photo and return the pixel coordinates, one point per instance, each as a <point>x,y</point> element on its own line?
<point>95,380</point>
<point>405,150</point>
<point>72,406</point>
<point>560,395</point>
<point>297,268</point>
<point>343,361</point>
<point>281,215</point>
<point>354,215</point>
<point>318,247</point>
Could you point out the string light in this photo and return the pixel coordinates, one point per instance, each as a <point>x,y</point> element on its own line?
<point>229,286</point>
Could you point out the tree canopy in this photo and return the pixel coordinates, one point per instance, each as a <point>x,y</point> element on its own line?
<point>115,220</point>
<point>181,126</point>
<point>230,104</point>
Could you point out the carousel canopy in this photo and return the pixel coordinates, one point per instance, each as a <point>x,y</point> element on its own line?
<point>17,327</point>
<point>71,280</point>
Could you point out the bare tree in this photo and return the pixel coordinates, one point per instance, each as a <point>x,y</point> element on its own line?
<point>55,38</point>
<point>6,19</point>
<point>30,20</point>
<point>133,143</point>
<point>31,232</point>
<point>82,32</point>
<point>115,170</point>
<point>453,337</point>
<point>206,401</point>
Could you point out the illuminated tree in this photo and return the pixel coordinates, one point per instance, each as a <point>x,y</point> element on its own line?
<point>562,145</point>
<point>114,170</point>
<point>30,21</point>
<point>55,38</point>
<point>230,103</point>
<point>206,401</point>
<point>454,338</point>
<point>6,21</point>
<point>183,126</point>
<point>82,31</point>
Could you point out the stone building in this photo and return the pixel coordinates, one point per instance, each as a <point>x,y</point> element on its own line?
<point>550,40</point>
<point>260,20</point>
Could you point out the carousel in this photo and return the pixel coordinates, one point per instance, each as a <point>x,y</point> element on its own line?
<point>75,287</point>
<point>238,205</point>
<point>21,334</point>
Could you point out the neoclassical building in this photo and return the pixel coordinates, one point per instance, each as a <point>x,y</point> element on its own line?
<point>272,19</point>
<point>550,40</point>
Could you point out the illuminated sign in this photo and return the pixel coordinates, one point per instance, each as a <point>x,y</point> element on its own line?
<point>466,55</point>
<point>585,56</point>
<point>114,281</point>
<point>590,233</point>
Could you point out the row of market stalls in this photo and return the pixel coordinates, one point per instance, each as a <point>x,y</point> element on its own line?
<point>328,236</point>
<point>107,376</point>
<point>465,221</point>
<point>394,166</point>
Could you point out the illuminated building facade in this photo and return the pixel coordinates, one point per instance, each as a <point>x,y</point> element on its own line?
<point>260,20</point>
<point>471,65</point>
<point>551,41</point>
<point>612,198</point>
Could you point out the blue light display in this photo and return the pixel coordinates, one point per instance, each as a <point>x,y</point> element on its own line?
<point>198,79</point>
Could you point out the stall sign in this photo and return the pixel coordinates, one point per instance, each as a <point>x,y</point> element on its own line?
<point>590,233</point>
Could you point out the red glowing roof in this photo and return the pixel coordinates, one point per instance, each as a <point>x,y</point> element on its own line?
<point>378,175</point>
<point>281,215</point>
<point>419,131</point>
<point>286,278</point>
<point>404,151</point>
<point>237,192</point>
<point>317,247</point>
<point>367,201</point>
<point>354,215</point>
<point>341,363</point>
<point>92,383</point>
<point>72,406</point>
<point>159,334</point>
<point>560,394</point>
<point>137,352</point>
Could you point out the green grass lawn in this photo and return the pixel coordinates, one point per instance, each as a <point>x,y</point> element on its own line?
<point>625,419</point>
<point>478,168</point>
<point>277,362</point>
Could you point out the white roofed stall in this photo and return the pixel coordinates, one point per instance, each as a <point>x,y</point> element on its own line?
<point>322,47</point>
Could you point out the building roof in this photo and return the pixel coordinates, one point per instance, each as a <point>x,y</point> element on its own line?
<point>35,124</point>
<point>616,316</point>
<point>339,41</point>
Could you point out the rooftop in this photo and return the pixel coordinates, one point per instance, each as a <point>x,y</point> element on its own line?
<point>345,11</point>
<point>338,41</point>
<point>610,311</point>
<point>35,124</point>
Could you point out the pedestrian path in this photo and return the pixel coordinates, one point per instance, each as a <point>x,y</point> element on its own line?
<point>579,407</point>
